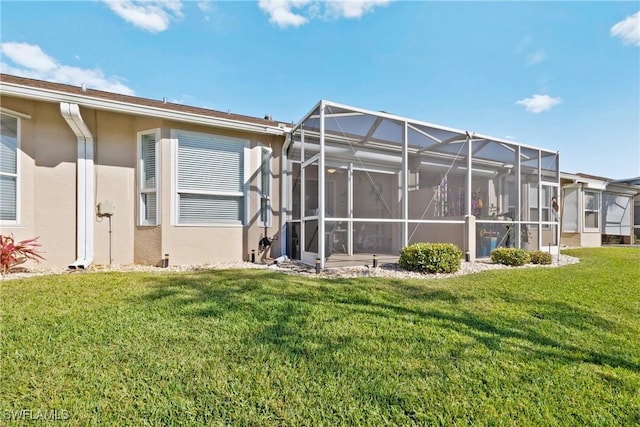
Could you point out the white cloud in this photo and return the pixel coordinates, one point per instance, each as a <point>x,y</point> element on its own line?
<point>30,56</point>
<point>539,103</point>
<point>353,8</point>
<point>628,30</point>
<point>30,61</point>
<point>280,12</point>
<point>294,13</point>
<point>205,6</point>
<point>150,15</point>
<point>537,57</point>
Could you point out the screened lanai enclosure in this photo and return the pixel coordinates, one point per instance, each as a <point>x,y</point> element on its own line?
<point>361,183</point>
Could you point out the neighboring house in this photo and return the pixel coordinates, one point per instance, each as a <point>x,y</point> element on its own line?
<point>597,210</point>
<point>107,178</point>
<point>636,204</point>
<point>102,177</point>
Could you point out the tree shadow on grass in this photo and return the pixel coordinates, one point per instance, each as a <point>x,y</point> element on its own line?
<point>494,330</point>
<point>281,306</point>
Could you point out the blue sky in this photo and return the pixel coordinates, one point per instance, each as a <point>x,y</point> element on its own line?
<point>558,75</point>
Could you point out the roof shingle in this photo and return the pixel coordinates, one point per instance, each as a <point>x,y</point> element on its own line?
<point>110,96</point>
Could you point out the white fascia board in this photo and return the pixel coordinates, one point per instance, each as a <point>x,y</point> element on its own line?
<point>594,185</point>
<point>589,183</point>
<point>569,176</point>
<point>126,107</point>
<point>623,189</point>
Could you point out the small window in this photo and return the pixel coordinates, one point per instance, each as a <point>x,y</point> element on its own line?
<point>591,211</point>
<point>549,205</point>
<point>533,201</point>
<point>9,144</point>
<point>265,187</point>
<point>147,178</point>
<point>511,199</point>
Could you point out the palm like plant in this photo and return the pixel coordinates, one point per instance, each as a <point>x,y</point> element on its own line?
<point>14,253</point>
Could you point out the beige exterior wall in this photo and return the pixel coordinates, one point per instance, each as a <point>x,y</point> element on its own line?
<point>114,160</point>
<point>47,191</point>
<point>147,245</point>
<point>47,174</point>
<point>591,239</point>
<point>210,244</point>
<point>434,233</point>
<point>570,239</point>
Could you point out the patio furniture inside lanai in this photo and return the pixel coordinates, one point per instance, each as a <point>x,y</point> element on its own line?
<point>363,182</point>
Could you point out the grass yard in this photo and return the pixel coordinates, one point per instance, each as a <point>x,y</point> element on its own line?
<point>538,346</point>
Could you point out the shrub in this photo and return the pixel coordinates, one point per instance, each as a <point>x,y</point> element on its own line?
<point>431,258</point>
<point>510,256</point>
<point>539,257</point>
<point>12,253</point>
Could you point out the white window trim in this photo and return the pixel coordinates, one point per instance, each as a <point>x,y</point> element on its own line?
<point>156,190</point>
<point>552,215</point>
<point>14,113</point>
<point>175,191</point>
<point>597,211</point>
<point>261,196</point>
<point>18,117</point>
<point>534,191</point>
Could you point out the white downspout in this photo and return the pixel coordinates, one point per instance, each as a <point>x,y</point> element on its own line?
<point>84,185</point>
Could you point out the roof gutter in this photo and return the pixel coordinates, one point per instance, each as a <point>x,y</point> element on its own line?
<point>84,185</point>
<point>132,108</point>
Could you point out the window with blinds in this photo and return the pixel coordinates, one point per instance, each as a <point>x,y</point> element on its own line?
<point>265,187</point>
<point>8,167</point>
<point>210,179</point>
<point>147,183</point>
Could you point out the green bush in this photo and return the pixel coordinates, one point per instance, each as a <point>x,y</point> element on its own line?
<point>539,257</point>
<point>510,256</point>
<point>431,258</point>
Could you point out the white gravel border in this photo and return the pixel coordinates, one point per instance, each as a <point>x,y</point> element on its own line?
<point>391,270</point>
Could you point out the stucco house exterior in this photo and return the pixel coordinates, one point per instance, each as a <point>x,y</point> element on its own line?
<point>106,178</point>
<point>597,210</point>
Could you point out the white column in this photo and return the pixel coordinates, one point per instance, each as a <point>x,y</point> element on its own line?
<point>321,214</point>
<point>469,181</point>
<point>405,186</point>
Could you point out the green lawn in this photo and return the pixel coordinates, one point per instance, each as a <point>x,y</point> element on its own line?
<point>538,346</point>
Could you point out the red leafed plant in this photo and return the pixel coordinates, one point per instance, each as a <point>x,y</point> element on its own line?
<point>14,253</point>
